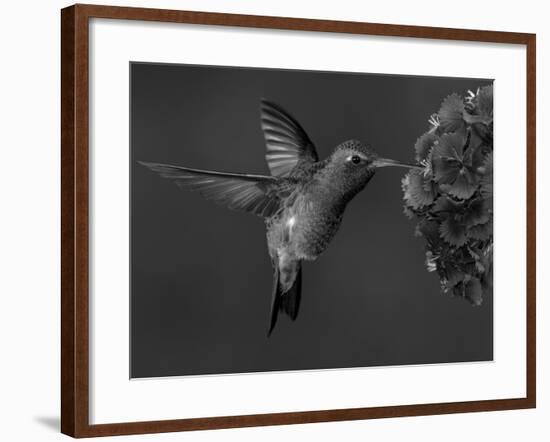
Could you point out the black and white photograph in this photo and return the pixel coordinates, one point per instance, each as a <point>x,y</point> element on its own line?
<point>288,220</point>
<point>274,221</point>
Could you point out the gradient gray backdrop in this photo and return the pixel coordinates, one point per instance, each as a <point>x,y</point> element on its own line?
<point>200,274</point>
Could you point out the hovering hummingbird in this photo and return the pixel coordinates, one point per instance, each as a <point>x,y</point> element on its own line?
<point>302,202</point>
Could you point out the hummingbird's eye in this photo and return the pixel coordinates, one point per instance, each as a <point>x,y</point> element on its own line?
<point>355,159</point>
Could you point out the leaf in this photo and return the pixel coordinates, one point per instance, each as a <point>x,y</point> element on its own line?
<point>451,114</point>
<point>424,145</point>
<point>453,231</point>
<point>473,291</point>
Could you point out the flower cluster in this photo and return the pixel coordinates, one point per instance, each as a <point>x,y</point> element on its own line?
<point>452,197</point>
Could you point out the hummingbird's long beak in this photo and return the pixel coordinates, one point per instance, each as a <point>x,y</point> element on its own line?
<point>385,162</point>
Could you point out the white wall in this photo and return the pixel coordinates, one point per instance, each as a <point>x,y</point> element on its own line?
<point>29,218</point>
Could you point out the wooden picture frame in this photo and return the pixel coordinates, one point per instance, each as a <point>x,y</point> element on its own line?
<point>75,218</point>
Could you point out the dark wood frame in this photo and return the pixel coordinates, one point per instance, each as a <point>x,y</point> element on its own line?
<point>74,220</point>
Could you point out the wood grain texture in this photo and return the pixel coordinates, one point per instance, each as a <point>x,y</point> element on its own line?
<point>74,220</point>
<point>68,344</point>
<point>531,344</point>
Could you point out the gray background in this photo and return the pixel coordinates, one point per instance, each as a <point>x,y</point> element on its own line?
<point>200,274</point>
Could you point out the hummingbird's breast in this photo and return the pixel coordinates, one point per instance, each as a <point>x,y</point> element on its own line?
<point>306,224</point>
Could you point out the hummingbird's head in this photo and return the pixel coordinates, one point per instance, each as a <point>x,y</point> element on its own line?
<point>354,163</point>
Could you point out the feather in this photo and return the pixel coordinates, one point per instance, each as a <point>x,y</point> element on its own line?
<point>255,194</point>
<point>287,301</point>
<point>287,143</point>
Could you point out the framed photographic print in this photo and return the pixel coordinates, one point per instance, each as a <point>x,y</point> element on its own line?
<point>275,220</point>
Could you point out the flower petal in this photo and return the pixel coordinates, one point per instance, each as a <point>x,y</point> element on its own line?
<point>462,187</point>
<point>487,178</point>
<point>445,171</point>
<point>416,194</point>
<point>444,204</point>
<point>450,146</point>
<point>429,229</point>
<point>485,103</point>
<point>481,232</point>
<point>477,213</point>
<point>424,145</point>
<point>451,113</point>
<point>453,232</point>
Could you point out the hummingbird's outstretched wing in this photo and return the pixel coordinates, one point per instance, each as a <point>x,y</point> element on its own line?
<point>287,143</point>
<point>255,194</point>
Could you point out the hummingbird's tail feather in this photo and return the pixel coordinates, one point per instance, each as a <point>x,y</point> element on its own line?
<point>286,301</point>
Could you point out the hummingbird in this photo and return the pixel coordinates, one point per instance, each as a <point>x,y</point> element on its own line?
<point>302,202</point>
